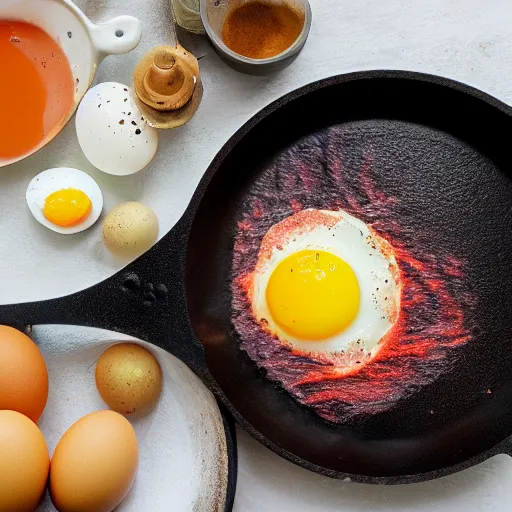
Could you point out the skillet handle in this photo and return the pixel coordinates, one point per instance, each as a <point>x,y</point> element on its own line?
<point>145,300</point>
<point>505,447</point>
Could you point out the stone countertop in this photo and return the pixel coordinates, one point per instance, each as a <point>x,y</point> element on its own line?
<point>467,40</point>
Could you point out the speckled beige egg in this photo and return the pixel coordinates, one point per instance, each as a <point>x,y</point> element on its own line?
<point>129,379</point>
<point>130,229</point>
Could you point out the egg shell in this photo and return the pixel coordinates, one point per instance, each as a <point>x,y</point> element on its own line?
<point>94,464</point>
<point>24,463</point>
<point>112,131</point>
<point>129,379</point>
<point>52,180</point>
<point>130,228</point>
<point>23,374</point>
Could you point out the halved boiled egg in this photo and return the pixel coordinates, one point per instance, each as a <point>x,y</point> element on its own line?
<point>325,282</point>
<point>65,200</point>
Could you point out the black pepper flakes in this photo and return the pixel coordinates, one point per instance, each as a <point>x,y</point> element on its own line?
<point>134,123</point>
<point>137,131</point>
<point>70,34</point>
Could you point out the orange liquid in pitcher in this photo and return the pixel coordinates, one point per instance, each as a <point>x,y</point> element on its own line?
<point>36,87</point>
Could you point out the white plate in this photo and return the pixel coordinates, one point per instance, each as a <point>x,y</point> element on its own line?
<point>183,463</point>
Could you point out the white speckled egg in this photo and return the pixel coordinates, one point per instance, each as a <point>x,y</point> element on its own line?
<point>112,131</point>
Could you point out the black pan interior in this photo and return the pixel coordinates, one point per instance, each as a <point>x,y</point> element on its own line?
<point>444,151</point>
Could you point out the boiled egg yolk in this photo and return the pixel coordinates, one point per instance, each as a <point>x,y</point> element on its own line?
<point>313,295</point>
<point>67,207</point>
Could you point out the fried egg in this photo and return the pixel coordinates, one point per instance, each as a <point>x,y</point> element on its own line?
<point>325,282</point>
<point>65,200</point>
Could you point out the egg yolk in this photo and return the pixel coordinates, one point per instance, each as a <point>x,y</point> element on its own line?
<point>67,207</point>
<point>313,295</point>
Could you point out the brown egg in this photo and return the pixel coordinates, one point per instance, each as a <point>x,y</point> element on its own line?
<point>24,463</point>
<point>94,464</point>
<point>23,374</point>
<point>129,379</point>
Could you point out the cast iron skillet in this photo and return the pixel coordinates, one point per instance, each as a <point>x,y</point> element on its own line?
<point>177,295</point>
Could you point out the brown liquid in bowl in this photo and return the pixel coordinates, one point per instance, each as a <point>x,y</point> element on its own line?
<point>260,31</point>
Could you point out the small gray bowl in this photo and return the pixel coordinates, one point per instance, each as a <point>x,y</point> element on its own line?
<point>213,14</point>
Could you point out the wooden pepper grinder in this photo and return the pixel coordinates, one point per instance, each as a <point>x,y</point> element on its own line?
<point>168,86</point>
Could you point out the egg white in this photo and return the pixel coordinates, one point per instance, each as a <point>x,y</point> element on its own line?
<point>52,180</point>
<point>352,241</point>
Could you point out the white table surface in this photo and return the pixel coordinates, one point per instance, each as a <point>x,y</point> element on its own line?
<point>468,40</point>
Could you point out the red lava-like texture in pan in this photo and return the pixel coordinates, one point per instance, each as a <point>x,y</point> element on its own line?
<point>431,322</point>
